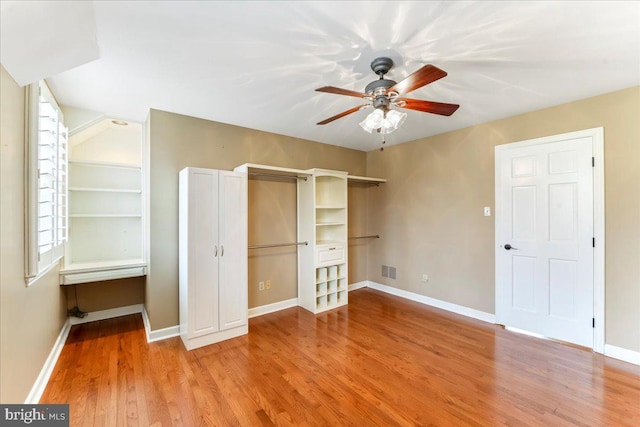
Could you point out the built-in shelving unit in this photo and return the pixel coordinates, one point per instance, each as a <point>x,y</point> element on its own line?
<point>106,218</point>
<point>322,220</point>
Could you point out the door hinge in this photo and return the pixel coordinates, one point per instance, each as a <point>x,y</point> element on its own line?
<point>593,242</point>
<point>593,322</point>
<point>593,162</point>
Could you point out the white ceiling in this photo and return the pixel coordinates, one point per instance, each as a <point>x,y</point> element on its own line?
<point>256,64</point>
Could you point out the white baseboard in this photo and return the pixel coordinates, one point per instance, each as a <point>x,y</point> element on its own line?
<point>271,308</point>
<point>622,354</point>
<point>45,373</point>
<point>107,314</point>
<point>160,334</point>
<point>454,308</point>
<point>358,285</point>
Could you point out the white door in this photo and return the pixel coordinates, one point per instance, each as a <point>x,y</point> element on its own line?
<point>203,252</point>
<point>544,232</point>
<point>233,249</point>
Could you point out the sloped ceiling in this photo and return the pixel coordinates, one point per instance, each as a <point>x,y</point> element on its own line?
<point>256,64</point>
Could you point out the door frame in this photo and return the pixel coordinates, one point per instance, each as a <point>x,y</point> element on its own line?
<point>597,138</point>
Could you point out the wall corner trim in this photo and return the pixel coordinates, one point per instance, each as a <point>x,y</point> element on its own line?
<point>160,334</point>
<point>45,373</point>
<point>622,354</point>
<point>444,305</point>
<point>358,285</point>
<point>271,308</point>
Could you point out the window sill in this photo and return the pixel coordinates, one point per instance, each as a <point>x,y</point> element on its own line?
<point>31,280</point>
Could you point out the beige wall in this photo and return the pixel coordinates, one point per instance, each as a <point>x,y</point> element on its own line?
<point>30,318</point>
<point>272,219</point>
<point>105,295</point>
<point>358,226</point>
<point>178,141</point>
<point>430,211</point>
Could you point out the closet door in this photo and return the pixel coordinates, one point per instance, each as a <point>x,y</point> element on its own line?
<point>233,249</point>
<point>204,252</point>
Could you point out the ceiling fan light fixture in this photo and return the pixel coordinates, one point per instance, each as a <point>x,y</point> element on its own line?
<point>383,121</point>
<point>395,118</point>
<point>373,121</point>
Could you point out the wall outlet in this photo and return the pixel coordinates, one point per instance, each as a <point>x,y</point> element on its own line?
<point>268,284</point>
<point>261,286</point>
<point>425,278</point>
<point>487,211</point>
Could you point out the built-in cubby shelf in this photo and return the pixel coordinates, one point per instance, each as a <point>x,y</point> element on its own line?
<point>322,217</point>
<point>106,204</point>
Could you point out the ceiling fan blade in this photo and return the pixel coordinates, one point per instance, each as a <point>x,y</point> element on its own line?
<point>341,115</point>
<point>425,75</point>
<point>339,91</point>
<point>429,106</point>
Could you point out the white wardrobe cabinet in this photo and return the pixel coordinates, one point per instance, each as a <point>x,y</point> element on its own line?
<point>212,256</point>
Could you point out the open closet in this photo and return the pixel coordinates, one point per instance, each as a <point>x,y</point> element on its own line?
<point>297,223</point>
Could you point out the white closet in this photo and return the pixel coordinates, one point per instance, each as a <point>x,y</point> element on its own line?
<point>213,256</point>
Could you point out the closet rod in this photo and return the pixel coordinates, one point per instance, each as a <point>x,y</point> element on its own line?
<point>278,176</point>
<point>278,245</point>
<point>373,236</point>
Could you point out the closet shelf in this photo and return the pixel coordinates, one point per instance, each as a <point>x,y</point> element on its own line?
<point>105,190</point>
<point>365,180</point>
<point>318,281</point>
<point>330,207</point>
<point>276,171</point>
<point>105,164</point>
<point>97,271</point>
<point>324,224</point>
<point>105,216</point>
<point>328,242</point>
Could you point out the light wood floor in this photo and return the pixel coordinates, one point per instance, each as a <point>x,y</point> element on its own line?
<point>382,361</point>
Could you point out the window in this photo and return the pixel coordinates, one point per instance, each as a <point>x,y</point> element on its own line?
<point>46,182</point>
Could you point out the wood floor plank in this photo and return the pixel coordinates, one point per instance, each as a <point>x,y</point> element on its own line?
<point>380,361</point>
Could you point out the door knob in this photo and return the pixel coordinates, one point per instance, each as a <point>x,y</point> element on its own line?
<point>509,247</point>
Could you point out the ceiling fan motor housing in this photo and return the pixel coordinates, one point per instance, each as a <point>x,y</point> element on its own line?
<point>378,89</point>
<point>381,65</point>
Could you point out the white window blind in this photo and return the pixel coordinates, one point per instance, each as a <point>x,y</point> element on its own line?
<point>47,165</point>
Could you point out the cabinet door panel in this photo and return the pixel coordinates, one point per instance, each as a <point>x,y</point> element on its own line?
<point>204,253</point>
<point>233,260</point>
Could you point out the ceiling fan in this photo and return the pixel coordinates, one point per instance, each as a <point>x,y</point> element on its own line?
<point>382,94</point>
